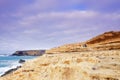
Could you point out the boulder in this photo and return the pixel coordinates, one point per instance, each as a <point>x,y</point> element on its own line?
<point>21,61</point>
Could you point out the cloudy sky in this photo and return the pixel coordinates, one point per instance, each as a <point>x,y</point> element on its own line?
<point>43,24</point>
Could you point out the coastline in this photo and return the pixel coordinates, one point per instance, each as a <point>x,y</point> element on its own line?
<point>12,63</point>
<point>74,66</point>
<point>10,71</point>
<point>95,59</point>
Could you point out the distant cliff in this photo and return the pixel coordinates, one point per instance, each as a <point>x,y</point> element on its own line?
<point>29,53</point>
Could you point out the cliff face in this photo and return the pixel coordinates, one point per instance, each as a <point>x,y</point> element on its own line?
<point>106,37</point>
<point>106,41</point>
<point>29,53</point>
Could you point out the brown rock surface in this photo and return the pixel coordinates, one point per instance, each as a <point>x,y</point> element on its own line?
<point>107,37</point>
<point>94,65</point>
<point>106,41</point>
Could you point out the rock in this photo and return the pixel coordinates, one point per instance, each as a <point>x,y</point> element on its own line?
<point>21,61</point>
<point>106,41</point>
<point>10,71</point>
<point>29,53</point>
<point>84,45</point>
<point>107,37</point>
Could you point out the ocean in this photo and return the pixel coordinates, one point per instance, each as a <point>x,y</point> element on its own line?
<point>9,62</point>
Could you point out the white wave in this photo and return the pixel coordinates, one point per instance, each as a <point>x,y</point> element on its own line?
<point>11,66</point>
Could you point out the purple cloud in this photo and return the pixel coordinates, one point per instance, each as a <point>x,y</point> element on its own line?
<point>45,24</point>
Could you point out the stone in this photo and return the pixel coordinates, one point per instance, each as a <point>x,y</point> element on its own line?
<point>21,61</point>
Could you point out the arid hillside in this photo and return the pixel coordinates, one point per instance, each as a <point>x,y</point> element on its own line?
<point>106,41</point>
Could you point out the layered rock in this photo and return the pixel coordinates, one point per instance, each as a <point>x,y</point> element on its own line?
<point>106,41</point>
<point>29,53</point>
<point>105,38</point>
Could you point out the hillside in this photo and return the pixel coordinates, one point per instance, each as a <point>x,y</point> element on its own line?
<point>106,41</point>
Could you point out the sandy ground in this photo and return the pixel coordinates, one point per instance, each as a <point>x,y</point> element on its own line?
<point>94,65</point>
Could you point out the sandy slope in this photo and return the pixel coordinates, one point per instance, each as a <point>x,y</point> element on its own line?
<point>96,65</point>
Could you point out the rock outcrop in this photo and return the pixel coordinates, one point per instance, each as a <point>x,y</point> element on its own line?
<point>29,53</point>
<point>105,38</point>
<point>21,61</point>
<point>106,41</point>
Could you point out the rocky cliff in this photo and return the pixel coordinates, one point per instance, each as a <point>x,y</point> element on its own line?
<point>106,41</point>
<point>105,38</point>
<point>29,53</point>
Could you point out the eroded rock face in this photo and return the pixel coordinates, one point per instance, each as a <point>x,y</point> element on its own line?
<point>29,53</point>
<point>97,65</point>
<point>106,41</point>
<point>107,37</point>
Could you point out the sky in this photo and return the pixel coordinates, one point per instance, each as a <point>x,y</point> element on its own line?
<point>44,24</point>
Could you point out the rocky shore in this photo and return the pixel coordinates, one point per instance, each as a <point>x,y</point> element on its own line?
<point>21,61</point>
<point>95,59</point>
<point>96,65</point>
<point>10,71</point>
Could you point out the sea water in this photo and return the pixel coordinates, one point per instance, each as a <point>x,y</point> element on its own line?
<point>9,62</point>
